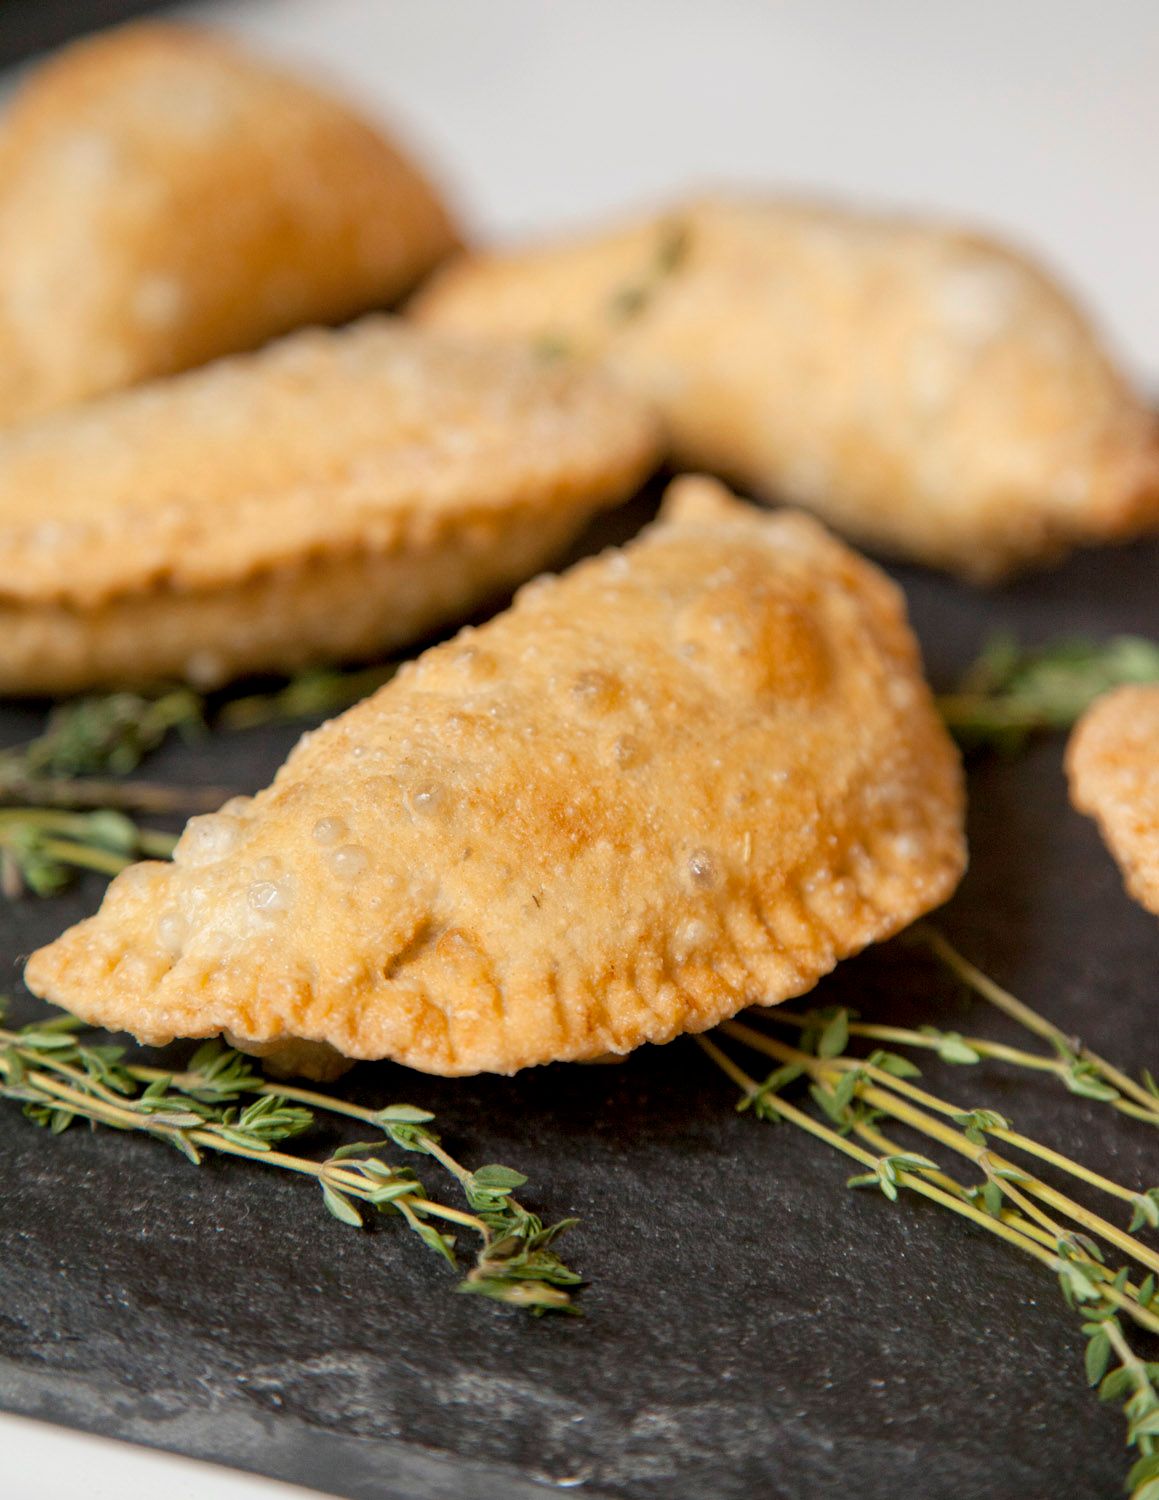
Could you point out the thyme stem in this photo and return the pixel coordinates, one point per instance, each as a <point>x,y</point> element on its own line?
<point>1011,1006</point>
<point>88,793</point>
<point>841,1143</point>
<point>59,1080</point>
<point>782,1053</point>
<point>904,1036</point>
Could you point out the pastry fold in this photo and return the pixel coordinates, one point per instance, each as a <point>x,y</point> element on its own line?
<point>925,391</point>
<point>334,495</point>
<point>166,199</point>
<point>685,777</point>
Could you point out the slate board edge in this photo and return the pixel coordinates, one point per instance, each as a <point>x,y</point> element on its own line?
<point>284,1448</point>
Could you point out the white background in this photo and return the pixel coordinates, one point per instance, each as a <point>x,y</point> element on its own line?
<point>1039,118</point>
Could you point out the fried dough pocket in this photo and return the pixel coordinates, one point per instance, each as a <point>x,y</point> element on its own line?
<point>926,391</point>
<point>685,777</point>
<point>336,494</point>
<point>166,199</point>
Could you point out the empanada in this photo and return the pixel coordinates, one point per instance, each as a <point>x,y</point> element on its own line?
<point>333,495</point>
<point>925,391</point>
<point>165,199</point>
<point>1112,764</point>
<point>683,778</point>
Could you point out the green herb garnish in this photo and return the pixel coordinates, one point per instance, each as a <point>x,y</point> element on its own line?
<point>110,734</point>
<point>41,847</point>
<point>221,1105</point>
<point>857,1098</point>
<point>1011,693</point>
<point>309,695</point>
<point>60,809</point>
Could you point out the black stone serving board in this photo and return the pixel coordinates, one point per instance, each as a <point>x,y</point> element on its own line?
<point>751,1326</point>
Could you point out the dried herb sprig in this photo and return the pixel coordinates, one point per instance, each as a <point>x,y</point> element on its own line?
<point>853,1095</point>
<point>1011,693</point>
<point>60,1079</point>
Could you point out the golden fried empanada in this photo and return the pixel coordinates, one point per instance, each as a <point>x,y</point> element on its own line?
<point>923,390</point>
<point>165,199</point>
<point>685,777</point>
<point>1112,763</point>
<point>332,495</point>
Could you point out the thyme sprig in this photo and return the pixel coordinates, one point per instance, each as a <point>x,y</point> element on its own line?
<point>221,1104</point>
<point>1011,693</point>
<point>107,734</point>
<point>1083,1070</point>
<point>856,1098</point>
<point>308,695</point>
<point>110,734</point>
<point>40,847</point>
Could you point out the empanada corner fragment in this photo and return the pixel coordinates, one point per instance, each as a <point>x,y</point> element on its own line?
<point>1112,763</point>
<point>685,777</point>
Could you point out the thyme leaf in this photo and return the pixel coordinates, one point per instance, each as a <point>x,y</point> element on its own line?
<point>40,847</point>
<point>110,734</point>
<point>309,695</point>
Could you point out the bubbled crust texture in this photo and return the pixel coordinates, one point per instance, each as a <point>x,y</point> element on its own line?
<point>685,777</point>
<point>221,516</point>
<point>115,149</point>
<point>925,391</point>
<point>1113,767</point>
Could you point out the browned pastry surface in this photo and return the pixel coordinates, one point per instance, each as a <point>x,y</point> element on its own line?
<point>334,494</point>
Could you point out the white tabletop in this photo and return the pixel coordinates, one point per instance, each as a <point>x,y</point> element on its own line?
<point>1035,117</point>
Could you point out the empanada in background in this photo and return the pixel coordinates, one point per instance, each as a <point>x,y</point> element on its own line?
<point>1113,767</point>
<point>925,391</point>
<point>685,777</point>
<point>334,495</point>
<point>165,199</point>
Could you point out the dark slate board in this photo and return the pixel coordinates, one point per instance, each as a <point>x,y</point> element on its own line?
<point>751,1326</point>
<point>29,26</point>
